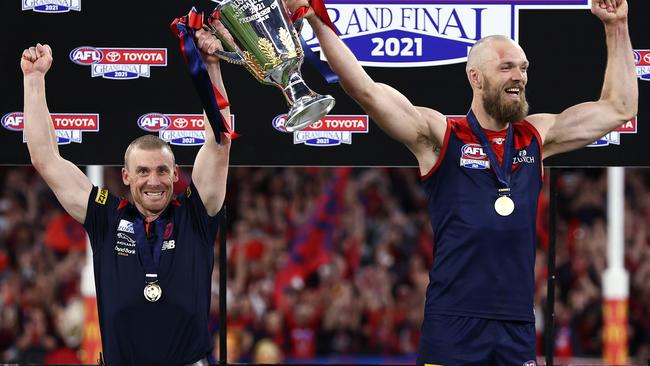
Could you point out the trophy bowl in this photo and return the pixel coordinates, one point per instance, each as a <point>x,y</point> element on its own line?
<point>264,40</point>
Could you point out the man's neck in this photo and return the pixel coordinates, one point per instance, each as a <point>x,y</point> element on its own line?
<point>484,119</point>
<point>148,216</point>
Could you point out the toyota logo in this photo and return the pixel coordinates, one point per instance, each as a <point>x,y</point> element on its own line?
<point>180,123</point>
<point>113,56</point>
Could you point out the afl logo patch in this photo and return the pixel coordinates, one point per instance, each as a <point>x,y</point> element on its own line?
<point>472,156</point>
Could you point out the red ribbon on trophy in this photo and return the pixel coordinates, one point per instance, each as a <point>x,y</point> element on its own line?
<point>212,101</point>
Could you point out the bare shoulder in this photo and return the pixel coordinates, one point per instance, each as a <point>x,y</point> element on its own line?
<point>543,122</point>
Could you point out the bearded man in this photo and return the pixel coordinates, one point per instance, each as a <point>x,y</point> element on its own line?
<point>483,174</point>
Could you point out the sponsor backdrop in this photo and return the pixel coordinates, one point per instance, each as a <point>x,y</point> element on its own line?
<point>118,73</point>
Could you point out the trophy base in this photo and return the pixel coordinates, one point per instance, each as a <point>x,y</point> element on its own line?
<point>308,110</point>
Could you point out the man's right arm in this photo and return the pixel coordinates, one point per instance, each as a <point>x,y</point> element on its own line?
<point>68,183</point>
<point>421,129</point>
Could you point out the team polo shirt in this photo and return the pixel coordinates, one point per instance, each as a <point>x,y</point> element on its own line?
<point>483,263</point>
<point>173,330</point>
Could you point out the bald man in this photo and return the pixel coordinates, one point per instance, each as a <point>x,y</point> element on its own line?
<point>483,174</point>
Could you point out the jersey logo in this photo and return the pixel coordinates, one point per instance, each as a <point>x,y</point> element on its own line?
<point>102,196</point>
<point>472,156</point>
<point>188,191</point>
<point>124,251</point>
<point>125,240</point>
<point>523,157</point>
<point>530,363</point>
<point>169,244</point>
<point>126,226</point>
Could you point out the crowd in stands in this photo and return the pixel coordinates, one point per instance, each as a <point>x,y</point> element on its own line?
<point>321,262</point>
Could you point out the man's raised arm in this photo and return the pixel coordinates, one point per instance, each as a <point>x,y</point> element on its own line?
<point>420,129</point>
<point>584,123</point>
<point>210,171</point>
<point>68,183</point>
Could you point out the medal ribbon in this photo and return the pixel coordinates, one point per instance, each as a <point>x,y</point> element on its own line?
<point>150,261</point>
<point>503,172</point>
<point>212,101</point>
<point>321,11</point>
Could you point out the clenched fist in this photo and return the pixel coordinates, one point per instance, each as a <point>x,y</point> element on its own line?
<point>36,60</point>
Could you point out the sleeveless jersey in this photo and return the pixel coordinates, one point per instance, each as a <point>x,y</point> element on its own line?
<point>483,263</point>
<point>174,329</point>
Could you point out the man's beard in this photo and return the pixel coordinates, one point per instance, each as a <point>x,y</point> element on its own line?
<point>504,111</point>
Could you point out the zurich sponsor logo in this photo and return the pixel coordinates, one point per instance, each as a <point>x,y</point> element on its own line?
<point>331,130</point>
<point>119,63</point>
<point>472,156</point>
<point>125,226</point>
<point>407,33</point>
<point>614,137</point>
<point>51,6</point>
<point>523,157</point>
<point>642,63</point>
<point>68,127</point>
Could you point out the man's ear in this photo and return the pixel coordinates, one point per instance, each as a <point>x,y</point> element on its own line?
<point>176,173</point>
<point>125,176</point>
<point>475,78</point>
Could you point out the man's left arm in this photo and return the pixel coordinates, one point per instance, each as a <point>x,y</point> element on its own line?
<point>210,170</point>
<point>584,123</point>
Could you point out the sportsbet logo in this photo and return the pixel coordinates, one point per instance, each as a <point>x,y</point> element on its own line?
<point>68,127</point>
<point>407,33</point>
<point>119,63</point>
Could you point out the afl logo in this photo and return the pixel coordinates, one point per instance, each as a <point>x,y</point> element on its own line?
<point>473,151</point>
<point>153,122</point>
<point>279,122</point>
<point>86,55</point>
<point>473,157</point>
<point>13,121</point>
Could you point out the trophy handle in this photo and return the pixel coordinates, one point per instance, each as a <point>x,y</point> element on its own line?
<point>232,57</point>
<point>229,56</point>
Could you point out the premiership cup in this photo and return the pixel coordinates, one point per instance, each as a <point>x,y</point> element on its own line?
<point>267,44</point>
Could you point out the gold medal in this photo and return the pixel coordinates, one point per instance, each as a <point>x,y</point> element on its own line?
<point>152,292</point>
<point>504,205</point>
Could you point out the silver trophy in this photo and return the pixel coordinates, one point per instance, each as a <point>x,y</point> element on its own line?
<point>266,43</point>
